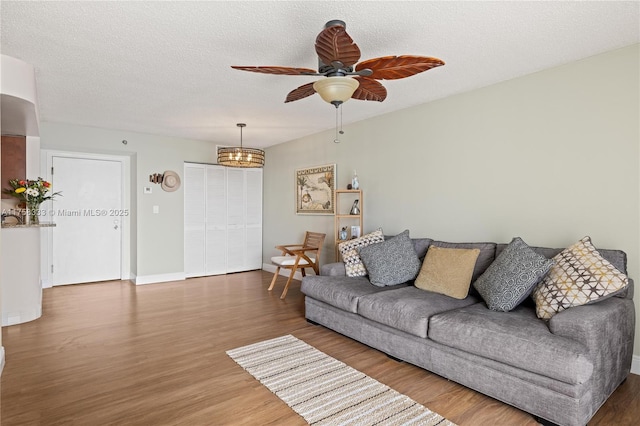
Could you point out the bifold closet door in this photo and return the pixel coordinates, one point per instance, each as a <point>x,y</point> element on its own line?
<point>223,219</point>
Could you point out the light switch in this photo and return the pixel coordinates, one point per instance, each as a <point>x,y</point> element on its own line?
<point>156,209</point>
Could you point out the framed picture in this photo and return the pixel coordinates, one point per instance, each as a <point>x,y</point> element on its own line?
<point>314,189</point>
<point>355,232</point>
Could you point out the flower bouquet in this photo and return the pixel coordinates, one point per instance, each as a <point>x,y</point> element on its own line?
<point>31,193</point>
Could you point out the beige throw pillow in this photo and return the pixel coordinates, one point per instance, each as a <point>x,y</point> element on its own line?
<point>447,271</point>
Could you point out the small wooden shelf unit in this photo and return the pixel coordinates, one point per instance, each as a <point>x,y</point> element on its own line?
<point>343,201</point>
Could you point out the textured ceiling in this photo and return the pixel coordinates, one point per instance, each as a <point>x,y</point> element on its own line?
<point>164,67</point>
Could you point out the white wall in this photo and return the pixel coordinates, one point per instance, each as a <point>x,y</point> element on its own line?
<point>550,157</point>
<point>158,239</point>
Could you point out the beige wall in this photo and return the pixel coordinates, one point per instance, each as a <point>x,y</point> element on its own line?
<point>550,157</point>
<point>157,239</point>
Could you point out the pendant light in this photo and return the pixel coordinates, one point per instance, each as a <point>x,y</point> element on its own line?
<point>241,157</point>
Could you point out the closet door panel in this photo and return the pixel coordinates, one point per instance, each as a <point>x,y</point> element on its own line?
<point>254,198</point>
<point>236,249</point>
<point>216,240</point>
<point>253,248</point>
<point>194,220</point>
<point>216,221</point>
<point>254,219</point>
<point>235,197</point>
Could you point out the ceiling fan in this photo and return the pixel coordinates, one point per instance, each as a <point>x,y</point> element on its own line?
<point>338,57</point>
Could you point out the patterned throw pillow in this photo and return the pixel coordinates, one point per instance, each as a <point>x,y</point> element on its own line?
<point>391,262</point>
<point>580,276</point>
<point>512,276</point>
<point>448,271</point>
<point>352,262</point>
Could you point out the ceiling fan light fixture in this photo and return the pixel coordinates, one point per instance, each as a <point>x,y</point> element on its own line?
<point>240,157</point>
<point>336,90</point>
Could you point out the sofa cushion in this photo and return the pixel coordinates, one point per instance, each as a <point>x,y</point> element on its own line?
<point>447,271</point>
<point>333,269</point>
<point>579,276</point>
<point>391,262</point>
<point>517,338</point>
<point>339,291</point>
<point>421,245</point>
<point>408,308</point>
<point>352,262</point>
<point>512,276</point>
<point>486,256</point>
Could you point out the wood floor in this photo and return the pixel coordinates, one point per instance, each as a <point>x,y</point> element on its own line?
<point>118,354</point>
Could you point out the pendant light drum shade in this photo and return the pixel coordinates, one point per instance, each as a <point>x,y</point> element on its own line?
<point>241,157</point>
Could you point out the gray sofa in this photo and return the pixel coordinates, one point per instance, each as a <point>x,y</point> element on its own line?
<point>561,371</point>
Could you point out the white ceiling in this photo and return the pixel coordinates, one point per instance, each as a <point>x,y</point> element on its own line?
<point>164,67</point>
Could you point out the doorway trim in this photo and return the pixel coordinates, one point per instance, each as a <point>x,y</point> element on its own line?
<point>46,246</point>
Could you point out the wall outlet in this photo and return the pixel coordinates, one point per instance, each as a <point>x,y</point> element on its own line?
<point>156,209</point>
<point>147,190</point>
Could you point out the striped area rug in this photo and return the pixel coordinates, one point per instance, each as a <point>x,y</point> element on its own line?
<point>325,391</point>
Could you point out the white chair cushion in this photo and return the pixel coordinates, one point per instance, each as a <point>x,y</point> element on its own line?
<point>289,260</point>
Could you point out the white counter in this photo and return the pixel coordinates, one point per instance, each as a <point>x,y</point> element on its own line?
<point>20,276</point>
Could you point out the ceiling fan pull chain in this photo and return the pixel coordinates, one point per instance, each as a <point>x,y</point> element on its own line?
<point>336,140</point>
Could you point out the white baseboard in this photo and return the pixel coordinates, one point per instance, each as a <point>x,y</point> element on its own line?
<point>635,364</point>
<point>1,359</point>
<point>159,278</point>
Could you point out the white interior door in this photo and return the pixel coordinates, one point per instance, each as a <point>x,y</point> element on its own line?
<point>87,239</point>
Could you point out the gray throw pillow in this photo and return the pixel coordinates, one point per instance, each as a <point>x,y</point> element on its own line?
<point>512,276</point>
<point>391,262</point>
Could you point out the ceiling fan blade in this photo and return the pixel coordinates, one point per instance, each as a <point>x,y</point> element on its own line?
<point>333,44</point>
<point>369,90</point>
<point>300,93</point>
<point>278,70</point>
<point>396,67</point>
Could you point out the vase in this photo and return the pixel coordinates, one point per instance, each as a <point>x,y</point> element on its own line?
<point>355,210</point>
<point>31,216</point>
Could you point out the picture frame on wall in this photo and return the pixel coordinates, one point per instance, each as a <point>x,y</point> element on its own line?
<point>315,187</point>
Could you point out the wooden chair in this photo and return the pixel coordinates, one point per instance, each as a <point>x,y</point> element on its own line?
<point>298,256</point>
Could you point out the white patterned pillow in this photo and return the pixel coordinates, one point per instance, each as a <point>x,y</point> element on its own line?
<point>352,262</point>
<point>579,276</point>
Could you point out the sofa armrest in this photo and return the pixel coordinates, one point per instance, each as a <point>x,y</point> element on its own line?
<point>336,269</point>
<point>607,329</point>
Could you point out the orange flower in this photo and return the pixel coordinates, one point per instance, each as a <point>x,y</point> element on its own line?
<point>46,184</point>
